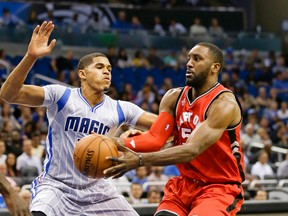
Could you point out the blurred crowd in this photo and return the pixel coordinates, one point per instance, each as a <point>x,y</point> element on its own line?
<point>97,22</point>
<point>259,79</point>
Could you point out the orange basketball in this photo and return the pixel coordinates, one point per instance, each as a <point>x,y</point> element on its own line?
<point>90,155</point>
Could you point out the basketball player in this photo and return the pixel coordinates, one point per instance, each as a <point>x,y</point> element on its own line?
<point>205,118</point>
<point>14,203</point>
<point>72,113</point>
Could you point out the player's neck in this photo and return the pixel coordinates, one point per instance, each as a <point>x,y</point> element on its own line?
<point>93,97</point>
<point>204,88</point>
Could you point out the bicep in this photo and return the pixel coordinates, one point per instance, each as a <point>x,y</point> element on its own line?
<point>30,95</point>
<point>209,132</point>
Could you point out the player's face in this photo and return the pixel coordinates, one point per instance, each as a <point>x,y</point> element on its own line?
<point>198,66</point>
<point>98,74</point>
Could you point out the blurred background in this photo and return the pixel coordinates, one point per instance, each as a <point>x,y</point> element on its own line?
<point>147,42</point>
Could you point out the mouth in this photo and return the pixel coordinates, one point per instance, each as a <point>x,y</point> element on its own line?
<point>189,73</point>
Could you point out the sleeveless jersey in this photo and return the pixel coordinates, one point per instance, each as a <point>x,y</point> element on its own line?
<point>222,162</point>
<point>70,118</point>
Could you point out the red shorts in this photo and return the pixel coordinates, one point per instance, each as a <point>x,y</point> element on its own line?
<point>190,197</point>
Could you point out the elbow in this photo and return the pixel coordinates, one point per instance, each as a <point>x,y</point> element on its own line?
<point>5,97</point>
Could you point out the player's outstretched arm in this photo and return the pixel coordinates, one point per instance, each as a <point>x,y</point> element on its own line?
<point>13,201</point>
<point>13,90</point>
<point>223,112</point>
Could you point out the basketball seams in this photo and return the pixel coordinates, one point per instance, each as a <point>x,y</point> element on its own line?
<point>85,149</point>
<point>98,157</point>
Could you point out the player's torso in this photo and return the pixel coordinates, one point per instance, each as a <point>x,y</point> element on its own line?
<point>207,167</point>
<point>71,119</point>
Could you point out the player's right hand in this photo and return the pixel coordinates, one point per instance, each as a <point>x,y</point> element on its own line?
<point>38,46</point>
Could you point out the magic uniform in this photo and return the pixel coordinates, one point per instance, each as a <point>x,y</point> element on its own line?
<point>61,189</point>
<point>219,171</point>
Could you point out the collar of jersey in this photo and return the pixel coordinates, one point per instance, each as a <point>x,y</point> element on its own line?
<point>84,99</point>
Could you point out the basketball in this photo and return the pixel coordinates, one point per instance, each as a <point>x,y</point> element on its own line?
<point>90,155</point>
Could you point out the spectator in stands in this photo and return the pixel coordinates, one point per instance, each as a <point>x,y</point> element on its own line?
<point>182,58</point>
<point>97,22</point>
<point>261,168</point>
<point>261,195</point>
<point>197,30</point>
<point>26,159</point>
<point>158,28</point>
<point>282,171</point>
<point>11,165</point>
<point>37,148</point>
<point>140,60</point>
<point>280,83</point>
<point>127,93</point>
<point>145,94</point>
<point>62,64</point>
<point>215,30</point>
<point>123,59</point>
<point>278,136</point>
<point>153,58</point>
<point>112,55</point>
<point>282,113</point>
<point>3,171</point>
<point>136,23</point>
<point>121,23</point>
<point>141,176</point>
<point>154,196</point>
<point>40,119</point>
<point>171,59</point>
<point>280,64</point>
<point>75,24</point>
<point>10,20</point>
<point>26,115</point>
<point>14,144</point>
<point>135,194</point>
<point>157,175</point>
<point>26,196</point>
<point>7,130</point>
<point>7,115</point>
<point>248,137</point>
<point>176,28</point>
<point>262,99</point>
<point>270,112</point>
<point>3,155</point>
<point>32,20</point>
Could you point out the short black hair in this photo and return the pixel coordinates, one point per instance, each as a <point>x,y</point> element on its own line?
<point>216,53</point>
<point>86,60</point>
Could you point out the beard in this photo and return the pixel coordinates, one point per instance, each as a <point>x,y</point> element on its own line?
<point>199,80</point>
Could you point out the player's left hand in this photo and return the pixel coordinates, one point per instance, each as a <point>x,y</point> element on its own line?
<point>129,161</point>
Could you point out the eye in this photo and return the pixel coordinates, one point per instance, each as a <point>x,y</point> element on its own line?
<point>196,58</point>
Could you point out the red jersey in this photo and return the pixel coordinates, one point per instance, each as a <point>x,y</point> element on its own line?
<point>223,161</point>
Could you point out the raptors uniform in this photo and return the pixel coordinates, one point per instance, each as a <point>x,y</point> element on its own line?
<point>217,172</point>
<point>61,189</point>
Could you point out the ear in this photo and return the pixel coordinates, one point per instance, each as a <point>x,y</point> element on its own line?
<point>216,67</point>
<point>82,74</point>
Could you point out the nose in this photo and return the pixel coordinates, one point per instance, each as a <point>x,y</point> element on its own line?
<point>189,64</point>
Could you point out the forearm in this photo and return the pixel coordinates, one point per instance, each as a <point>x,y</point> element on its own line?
<point>155,138</point>
<point>15,80</point>
<point>5,187</point>
<point>175,155</point>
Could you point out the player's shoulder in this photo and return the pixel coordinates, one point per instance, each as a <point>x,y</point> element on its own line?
<point>174,92</point>
<point>226,101</point>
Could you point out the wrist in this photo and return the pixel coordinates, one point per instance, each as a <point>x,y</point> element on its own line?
<point>141,162</point>
<point>30,57</point>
